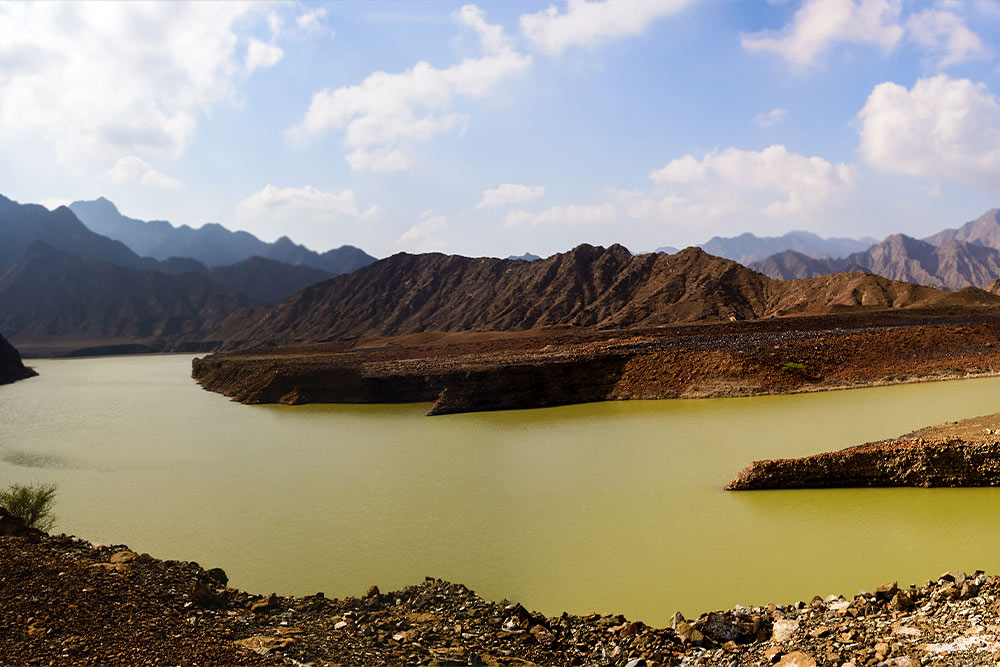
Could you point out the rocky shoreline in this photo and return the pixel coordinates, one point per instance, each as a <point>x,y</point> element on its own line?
<point>955,454</point>
<point>65,601</point>
<point>547,367</point>
<point>12,368</point>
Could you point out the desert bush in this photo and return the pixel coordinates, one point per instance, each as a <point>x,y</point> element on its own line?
<point>792,367</point>
<point>31,503</point>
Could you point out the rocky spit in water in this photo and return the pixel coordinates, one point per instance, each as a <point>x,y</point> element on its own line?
<point>955,454</point>
<point>66,601</point>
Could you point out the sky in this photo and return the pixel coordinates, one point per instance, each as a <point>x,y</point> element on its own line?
<point>501,128</point>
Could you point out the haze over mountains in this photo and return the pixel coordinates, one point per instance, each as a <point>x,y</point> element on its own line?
<point>211,244</point>
<point>64,287</point>
<point>950,259</point>
<point>747,248</point>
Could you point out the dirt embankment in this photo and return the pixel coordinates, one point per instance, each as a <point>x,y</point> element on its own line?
<point>491,370</point>
<point>954,454</point>
<point>66,601</point>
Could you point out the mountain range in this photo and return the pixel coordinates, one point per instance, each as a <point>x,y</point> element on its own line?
<point>211,244</point>
<point>587,287</point>
<point>747,248</point>
<point>950,259</point>
<point>64,287</point>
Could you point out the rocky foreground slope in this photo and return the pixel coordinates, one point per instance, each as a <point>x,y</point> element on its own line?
<point>66,601</point>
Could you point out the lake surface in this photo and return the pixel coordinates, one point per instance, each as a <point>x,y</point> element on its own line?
<point>600,507</point>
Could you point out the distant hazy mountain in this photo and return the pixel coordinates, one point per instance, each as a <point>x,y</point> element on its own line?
<point>747,248</point>
<point>984,230</point>
<point>64,287</point>
<point>668,249</point>
<point>54,300</point>
<point>23,224</point>
<point>266,280</point>
<point>952,265</point>
<point>211,244</point>
<point>528,257</point>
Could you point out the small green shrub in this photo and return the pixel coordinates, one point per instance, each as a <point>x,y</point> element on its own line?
<point>32,504</point>
<point>792,367</point>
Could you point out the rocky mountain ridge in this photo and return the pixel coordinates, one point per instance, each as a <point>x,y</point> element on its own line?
<point>212,244</point>
<point>950,259</point>
<point>603,288</point>
<point>747,248</point>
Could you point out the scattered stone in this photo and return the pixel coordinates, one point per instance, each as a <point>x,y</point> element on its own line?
<point>797,659</point>
<point>784,630</point>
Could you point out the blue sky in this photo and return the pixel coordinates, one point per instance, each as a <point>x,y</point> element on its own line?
<point>500,128</point>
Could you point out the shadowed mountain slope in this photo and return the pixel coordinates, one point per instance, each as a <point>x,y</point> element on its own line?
<point>266,280</point>
<point>53,299</point>
<point>587,287</point>
<point>212,244</point>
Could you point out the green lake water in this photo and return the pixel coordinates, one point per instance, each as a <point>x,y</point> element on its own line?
<point>601,507</point>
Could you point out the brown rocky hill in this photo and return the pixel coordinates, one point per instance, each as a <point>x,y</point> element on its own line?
<point>604,288</point>
<point>11,366</point>
<point>952,265</point>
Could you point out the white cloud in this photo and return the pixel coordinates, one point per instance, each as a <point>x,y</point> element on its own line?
<point>726,191</point>
<point>490,36</point>
<point>943,128</point>
<point>510,193</point>
<point>282,205</point>
<point>132,169</point>
<point>587,23</point>
<point>386,114</point>
<point>261,55</point>
<point>311,21</point>
<point>947,38</point>
<point>105,79</point>
<point>775,116</point>
<point>423,236</point>
<point>818,24</point>
<point>572,214</point>
<point>776,181</point>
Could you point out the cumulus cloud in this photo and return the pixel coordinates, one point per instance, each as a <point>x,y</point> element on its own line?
<point>787,183</point>
<point>819,24</point>
<point>65,61</point>
<point>423,236</point>
<point>311,21</point>
<point>942,128</point>
<point>510,193</point>
<point>386,114</point>
<point>590,22</point>
<point>261,55</point>
<point>770,118</point>
<point>132,169</point>
<point>946,37</point>
<point>572,214</point>
<point>280,204</point>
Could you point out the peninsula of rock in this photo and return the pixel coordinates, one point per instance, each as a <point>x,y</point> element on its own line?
<point>954,454</point>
